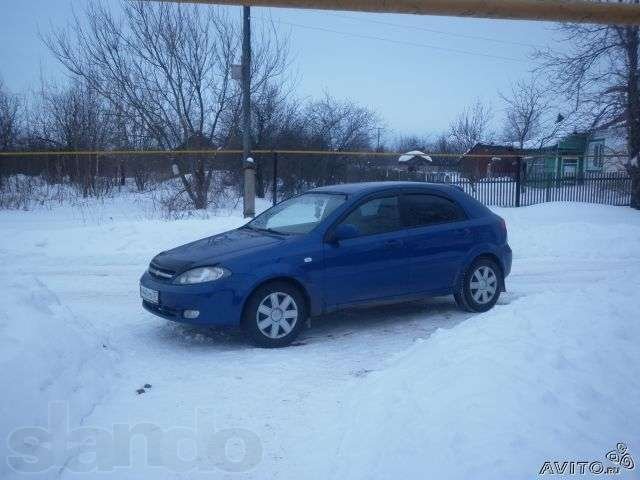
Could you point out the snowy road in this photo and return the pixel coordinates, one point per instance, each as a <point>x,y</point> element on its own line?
<point>72,330</point>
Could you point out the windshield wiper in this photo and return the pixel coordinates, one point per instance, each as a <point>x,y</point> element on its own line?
<point>268,230</point>
<point>277,232</point>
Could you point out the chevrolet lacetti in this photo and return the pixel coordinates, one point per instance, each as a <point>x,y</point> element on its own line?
<point>331,248</point>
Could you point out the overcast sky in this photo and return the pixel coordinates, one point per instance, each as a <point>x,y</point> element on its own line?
<point>417,72</point>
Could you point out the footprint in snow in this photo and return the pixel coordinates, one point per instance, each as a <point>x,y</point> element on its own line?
<point>142,390</point>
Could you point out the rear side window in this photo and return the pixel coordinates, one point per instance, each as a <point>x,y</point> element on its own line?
<point>421,209</point>
<point>376,216</point>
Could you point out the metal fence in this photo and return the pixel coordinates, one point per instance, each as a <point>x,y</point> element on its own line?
<point>292,174</point>
<point>592,187</point>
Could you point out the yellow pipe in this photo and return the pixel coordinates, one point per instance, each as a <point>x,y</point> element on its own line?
<point>580,11</point>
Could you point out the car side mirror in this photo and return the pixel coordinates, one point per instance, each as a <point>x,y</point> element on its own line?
<point>345,231</point>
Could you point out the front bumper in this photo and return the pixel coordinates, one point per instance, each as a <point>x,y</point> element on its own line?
<point>219,303</point>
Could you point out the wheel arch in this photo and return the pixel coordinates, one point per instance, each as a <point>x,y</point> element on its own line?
<point>474,258</point>
<point>495,259</point>
<point>282,279</point>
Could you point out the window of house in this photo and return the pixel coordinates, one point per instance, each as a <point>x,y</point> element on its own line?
<point>491,166</point>
<point>536,166</point>
<point>376,216</point>
<point>570,166</point>
<point>421,210</point>
<point>598,155</point>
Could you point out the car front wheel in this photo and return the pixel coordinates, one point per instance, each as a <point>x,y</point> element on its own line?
<point>274,315</point>
<point>480,287</point>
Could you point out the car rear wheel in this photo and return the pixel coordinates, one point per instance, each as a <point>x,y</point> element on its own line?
<point>480,286</point>
<point>274,315</point>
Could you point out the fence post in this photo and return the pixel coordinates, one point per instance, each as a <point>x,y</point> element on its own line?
<point>547,187</point>
<point>518,180</point>
<point>275,178</point>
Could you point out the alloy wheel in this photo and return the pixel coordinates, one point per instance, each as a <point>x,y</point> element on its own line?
<point>277,315</point>
<point>483,285</point>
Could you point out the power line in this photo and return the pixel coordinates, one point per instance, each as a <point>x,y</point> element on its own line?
<point>390,40</point>
<point>432,30</point>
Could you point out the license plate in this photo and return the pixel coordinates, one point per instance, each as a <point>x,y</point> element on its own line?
<point>148,294</point>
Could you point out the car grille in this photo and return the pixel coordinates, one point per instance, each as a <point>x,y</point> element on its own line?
<point>161,273</point>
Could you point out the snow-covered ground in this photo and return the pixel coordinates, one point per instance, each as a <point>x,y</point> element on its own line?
<point>412,391</point>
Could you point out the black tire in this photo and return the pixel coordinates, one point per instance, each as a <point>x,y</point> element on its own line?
<point>256,323</point>
<point>473,299</point>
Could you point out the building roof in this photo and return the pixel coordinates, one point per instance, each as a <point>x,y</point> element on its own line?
<point>414,154</point>
<point>490,149</point>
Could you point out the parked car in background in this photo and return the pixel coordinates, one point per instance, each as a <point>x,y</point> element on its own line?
<point>331,248</point>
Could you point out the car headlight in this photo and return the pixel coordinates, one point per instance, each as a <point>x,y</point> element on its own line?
<point>201,275</point>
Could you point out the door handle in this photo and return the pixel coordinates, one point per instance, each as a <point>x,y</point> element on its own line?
<point>394,243</point>
<point>464,232</point>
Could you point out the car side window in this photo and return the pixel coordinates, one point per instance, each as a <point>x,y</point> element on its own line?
<point>422,209</point>
<point>376,216</point>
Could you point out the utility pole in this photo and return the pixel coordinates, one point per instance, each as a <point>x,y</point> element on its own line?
<point>249,191</point>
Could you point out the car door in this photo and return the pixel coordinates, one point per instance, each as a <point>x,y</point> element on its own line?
<point>373,265</point>
<point>438,238</point>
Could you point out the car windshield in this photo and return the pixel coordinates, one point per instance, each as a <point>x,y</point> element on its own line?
<point>299,214</point>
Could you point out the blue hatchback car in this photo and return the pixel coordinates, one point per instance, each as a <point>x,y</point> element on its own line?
<point>330,248</point>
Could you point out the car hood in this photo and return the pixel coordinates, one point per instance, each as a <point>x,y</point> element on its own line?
<point>211,250</point>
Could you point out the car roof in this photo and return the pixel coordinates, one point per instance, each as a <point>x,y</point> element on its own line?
<point>366,188</point>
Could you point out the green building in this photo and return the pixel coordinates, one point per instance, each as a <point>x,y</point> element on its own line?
<point>565,158</point>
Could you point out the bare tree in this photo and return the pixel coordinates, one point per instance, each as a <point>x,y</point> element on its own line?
<point>9,129</point>
<point>128,133</point>
<point>331,124</point>
<point>72,118</point>
<point>9,124</point>
<point>597,71</point>
<point>272,114</point>
<point>171,65</point>
<point>528,111</point>
<point>442,144</point>
<point>471,126</point>
<point>340,125</point>
<point>406,143</point>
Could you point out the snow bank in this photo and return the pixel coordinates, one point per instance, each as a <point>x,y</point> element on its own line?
<point>64,204</point>
<point>47,354</point>
<point>551,376</point>
<point>579,231</point>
